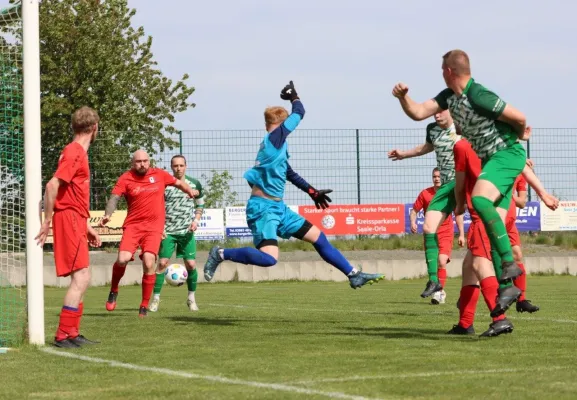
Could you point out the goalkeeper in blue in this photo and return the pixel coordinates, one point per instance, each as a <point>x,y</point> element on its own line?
<point>267,215</point>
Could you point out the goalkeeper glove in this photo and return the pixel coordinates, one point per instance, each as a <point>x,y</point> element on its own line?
<point>320,197</point>
<point>289,92</point>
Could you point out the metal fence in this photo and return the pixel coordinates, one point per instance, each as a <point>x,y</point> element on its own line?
<point>352,162</point>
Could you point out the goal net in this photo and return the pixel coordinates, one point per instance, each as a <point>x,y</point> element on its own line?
<point>12,205</point>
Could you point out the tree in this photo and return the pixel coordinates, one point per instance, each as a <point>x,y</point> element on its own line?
<point>217,189</point>
<point>91,55</point>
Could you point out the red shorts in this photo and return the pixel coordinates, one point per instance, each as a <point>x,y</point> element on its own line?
<point>446,243</point>
<point>512,231</point>
<point>69,231</point>
<point>133,238</point>
<point>478,241</point>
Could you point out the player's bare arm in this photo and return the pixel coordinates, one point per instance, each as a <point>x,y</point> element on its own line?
<point>520,199</point>
<point>517,120</point>
<point>460,219</point>
<point>459,193</point>
<point>417,151</point>
<point>413,219</point>
<point>550,201</point>
<point>183,186</point>
<point>93,236</point>
<point>109,209</point>
<point>49,198</point>
<point>415,111</point>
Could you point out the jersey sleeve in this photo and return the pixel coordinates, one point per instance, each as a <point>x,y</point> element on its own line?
<point>168,179</point>
<point>419,203</point>
<point>429,129</point>
<point>485,102</point>
<point>279,135</point>
<point>120,186</point>
<point>199,200</point>
<point>460,153</point>
<point>70,163</point>
<point>442,98</point>
<point>521,185</point>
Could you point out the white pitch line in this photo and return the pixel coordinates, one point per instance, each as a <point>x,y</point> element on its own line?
<point>218,379</point>
<point>425,375</point>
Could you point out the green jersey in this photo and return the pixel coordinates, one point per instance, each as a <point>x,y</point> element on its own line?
<point>443,141</point>
<point>476,112</point>
<point>180,208</point>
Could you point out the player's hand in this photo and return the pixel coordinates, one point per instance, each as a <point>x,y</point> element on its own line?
<point>193,193</point>
<point>289,92</point>
<point>105,219</point>
<point>93,237</point>
<point>459,209</point>
<point>320,197</point>
<point>414,228</point>
<point>461,241</point>
<point>400,90</point>
<point>396,155</point>
<point>193,226</point>
<point>527,134</point>
<point>43,234</point>
<point>530,163</point>
<point>551,202</point>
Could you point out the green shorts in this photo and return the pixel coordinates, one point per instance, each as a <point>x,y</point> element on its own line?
<point>185,246</point>
<point>444,200</point>
<point>502,168</point>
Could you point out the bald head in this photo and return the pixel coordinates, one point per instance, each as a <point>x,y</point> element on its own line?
<point>457,61</point>
<point>140,162</point>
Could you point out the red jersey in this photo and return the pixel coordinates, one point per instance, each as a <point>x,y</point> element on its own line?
<point>467,161</point>
<point>520,185</point>
<point>73,169</point>
<point>422,203</point>
<point>145,197</point>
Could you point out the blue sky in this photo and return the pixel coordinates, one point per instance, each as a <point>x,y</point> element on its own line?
<point>345,56</point>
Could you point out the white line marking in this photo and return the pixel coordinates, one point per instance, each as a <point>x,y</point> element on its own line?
<point>219,379</point>
<point>426,375</point>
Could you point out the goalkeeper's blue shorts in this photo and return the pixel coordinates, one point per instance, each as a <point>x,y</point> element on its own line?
<point>269,219</point>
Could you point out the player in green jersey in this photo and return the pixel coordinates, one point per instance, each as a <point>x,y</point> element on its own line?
<point>441,137</point>
<point>494,129</point>
<point>182,218</point>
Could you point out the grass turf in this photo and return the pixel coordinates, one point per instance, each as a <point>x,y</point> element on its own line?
<point>381,341</point>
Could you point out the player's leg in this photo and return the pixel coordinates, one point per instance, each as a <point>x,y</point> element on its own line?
<point>523,305</point>
<point>127,247</point>
<point>164,253</point>
<point>263,221</point>
<point>468,299</point>
<point>149,244</point>
<point>441,206</point>
<point>445,250</point>
<point>186,249</point>
<point>493,190</point>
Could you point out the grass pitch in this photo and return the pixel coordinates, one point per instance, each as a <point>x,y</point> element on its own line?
<point>295,340</point>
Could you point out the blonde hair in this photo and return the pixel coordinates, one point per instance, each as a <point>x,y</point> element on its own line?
<point>275,115</point>
<point>458,62</point>
<point>84,119</point>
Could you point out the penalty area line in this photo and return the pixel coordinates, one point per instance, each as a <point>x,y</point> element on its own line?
<point>211,378</point>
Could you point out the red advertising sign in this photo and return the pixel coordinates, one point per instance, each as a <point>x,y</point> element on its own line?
<point>363,219</point>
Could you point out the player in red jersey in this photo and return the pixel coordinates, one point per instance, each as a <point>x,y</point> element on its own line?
<point>519,200</point>
<point>143,188</point>
<point>477,269</point>
<point>66,207</point>
<point>445,233</point>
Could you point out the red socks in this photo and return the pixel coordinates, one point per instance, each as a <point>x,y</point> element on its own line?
<point>489,287</point>
<point>117,274</point>
<point>468,305</point>
<point>442,274</point>
<point>147,287</point>
<point>521,281</point>
<point>68,324</point>
<point>79,316</point>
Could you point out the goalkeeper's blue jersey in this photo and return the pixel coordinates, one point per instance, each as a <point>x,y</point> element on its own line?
<point>270,170</point>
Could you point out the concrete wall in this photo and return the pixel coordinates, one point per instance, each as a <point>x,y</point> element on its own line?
<point>298,270</point>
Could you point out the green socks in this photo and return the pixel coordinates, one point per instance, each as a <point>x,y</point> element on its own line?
<point>432,255</point>
<point>495,227</point>
<point>158,283</point>
<point>499,268</point>
<point>191,280</point>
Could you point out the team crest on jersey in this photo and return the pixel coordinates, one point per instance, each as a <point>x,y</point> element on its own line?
<point>151,179</point>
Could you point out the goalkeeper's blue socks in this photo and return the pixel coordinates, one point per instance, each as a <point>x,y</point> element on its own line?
<point>249,256</point>
<point>332,255</point>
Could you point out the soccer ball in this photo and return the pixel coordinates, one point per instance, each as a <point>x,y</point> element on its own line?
<point>176,274</point>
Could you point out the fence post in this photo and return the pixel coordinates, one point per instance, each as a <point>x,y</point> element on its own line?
<point>180,142</point>
<point>358,168</point>
<point>528,156</point>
